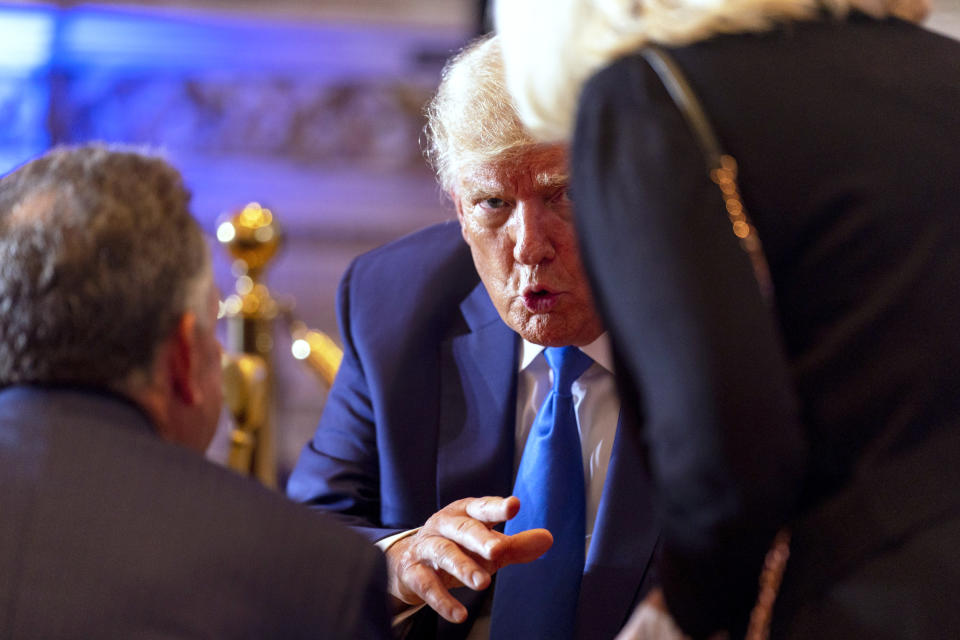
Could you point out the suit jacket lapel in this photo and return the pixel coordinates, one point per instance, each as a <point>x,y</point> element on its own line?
<point>619,561</point>
<point>477,405</point>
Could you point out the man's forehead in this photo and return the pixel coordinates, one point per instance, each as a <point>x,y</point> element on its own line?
<point>537,170</point>
<point>526,175</point>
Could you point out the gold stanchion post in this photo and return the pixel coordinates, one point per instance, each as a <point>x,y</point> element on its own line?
<point>252,237</point>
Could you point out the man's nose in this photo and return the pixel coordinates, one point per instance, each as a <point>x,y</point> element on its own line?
<point>532,244</point>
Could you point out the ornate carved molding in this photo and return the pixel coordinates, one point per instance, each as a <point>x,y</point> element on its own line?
<point>320,119</point>
<point>372,122</point>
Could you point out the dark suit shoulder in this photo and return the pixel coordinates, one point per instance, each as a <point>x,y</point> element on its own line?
<point>434,258</point>
<point>413,285</point>
<point>151,536</point>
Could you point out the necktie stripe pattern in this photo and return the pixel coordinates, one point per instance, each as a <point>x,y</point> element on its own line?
<point>539,599</point>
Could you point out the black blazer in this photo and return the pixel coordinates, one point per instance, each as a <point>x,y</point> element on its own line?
<point>108,532</point>
<point>847,135</point>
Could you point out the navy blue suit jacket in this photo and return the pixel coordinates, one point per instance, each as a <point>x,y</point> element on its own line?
<point>422,413</point>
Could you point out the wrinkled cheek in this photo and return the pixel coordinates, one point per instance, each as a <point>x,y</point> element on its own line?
<point>517,317</point>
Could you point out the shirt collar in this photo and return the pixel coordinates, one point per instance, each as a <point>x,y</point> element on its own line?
<point>599,350</point>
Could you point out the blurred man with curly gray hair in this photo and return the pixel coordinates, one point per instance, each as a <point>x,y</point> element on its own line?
<point>107,316</point>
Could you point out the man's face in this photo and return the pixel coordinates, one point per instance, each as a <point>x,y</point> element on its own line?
<point>517,219</point>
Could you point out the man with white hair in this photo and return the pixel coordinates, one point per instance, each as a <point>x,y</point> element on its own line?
<point>476,389</point>
<point>107,349</point>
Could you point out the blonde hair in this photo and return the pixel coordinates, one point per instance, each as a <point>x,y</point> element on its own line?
<point>472,119</point>
<point>551,47</point>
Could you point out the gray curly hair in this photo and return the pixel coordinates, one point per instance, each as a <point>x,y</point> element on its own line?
<point>99,258</point>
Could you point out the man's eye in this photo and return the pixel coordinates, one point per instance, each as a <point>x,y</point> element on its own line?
<point>493,203</point>
<point>562,196</point>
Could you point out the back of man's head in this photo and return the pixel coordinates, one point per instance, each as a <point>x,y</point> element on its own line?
<point>472,119</point>
<point>99,259</point>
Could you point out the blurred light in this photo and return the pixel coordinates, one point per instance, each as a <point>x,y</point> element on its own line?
<point>226,232</point>
<point>244,285</point>
<point>233,305</point>
<point>254,215</point>
<point>251,305</point>
<point>26,37</point>
<point>300,349</point>
<point>263,234</point>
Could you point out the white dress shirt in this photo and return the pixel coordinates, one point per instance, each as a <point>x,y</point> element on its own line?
<point>596,405</point>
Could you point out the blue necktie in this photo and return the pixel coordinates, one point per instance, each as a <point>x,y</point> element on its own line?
<point>539,599</point>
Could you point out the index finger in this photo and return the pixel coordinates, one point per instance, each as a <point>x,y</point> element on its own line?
<point>470,534</point>
<point>492,510</point>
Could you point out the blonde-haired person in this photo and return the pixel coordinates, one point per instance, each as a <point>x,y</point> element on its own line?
<point>832,409</point>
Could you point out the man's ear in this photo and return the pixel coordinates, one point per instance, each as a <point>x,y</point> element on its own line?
<point>183,359</point>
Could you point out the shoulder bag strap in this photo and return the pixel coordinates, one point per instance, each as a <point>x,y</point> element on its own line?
<point>722,169</point>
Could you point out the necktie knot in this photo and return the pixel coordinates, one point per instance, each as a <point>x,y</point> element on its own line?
<point>568,364</point>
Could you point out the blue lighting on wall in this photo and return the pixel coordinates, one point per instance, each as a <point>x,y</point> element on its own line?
<point>26,49</point>
<point>289,112</point>
<point>26,38</point>
<point>151,76</point>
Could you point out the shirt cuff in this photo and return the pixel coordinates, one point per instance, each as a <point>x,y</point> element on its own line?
<point>385,543</point>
